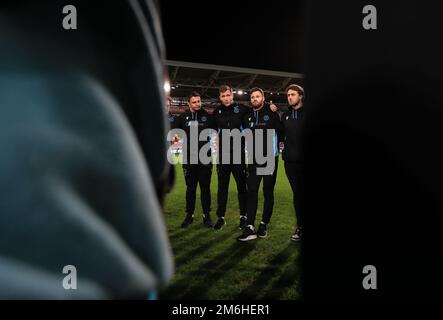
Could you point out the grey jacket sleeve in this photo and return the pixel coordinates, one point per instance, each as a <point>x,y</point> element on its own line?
<point>76,187</point>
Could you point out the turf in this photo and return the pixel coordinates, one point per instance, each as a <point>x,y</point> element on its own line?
<point>212,264</point>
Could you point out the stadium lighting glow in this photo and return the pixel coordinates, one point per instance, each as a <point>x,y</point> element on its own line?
<point>240,92</point>
<point>167,87</point>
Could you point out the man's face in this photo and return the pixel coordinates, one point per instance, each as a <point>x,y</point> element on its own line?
<point>195,103</point>
<point>227,98</point>
<point>256,99</point>
<point>293,98</point>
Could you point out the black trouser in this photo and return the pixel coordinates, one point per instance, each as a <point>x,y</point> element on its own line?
<point>253,183</point>
<point>295,174</point>
<point>198,174</point>
<point>224,175</point>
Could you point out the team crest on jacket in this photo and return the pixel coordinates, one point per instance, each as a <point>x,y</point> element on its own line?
<point>204,119</point>
<point>287,117</point>
<point>266,118</point>
<point>171,118</point>
<point>219,111</point>
<point>236,109</point>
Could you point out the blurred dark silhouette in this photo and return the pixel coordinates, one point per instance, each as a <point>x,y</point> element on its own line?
<point>83,154</point>
<point>373,166</point>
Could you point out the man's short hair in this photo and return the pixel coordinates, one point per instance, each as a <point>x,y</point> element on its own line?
<point>297,88</point>
<point>193,94</point>
<point>258,89</point>
<point>224,88</point>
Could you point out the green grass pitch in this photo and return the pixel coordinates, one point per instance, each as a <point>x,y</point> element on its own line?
<point>212,264</point>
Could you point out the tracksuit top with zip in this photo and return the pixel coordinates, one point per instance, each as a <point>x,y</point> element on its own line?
<point>230,117</point>
<point>202,119</point>
<point>264,118</point>
<point>293,123</point>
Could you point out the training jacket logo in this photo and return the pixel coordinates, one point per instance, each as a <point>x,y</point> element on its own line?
<point>266,118</point>
<point>236,109</point>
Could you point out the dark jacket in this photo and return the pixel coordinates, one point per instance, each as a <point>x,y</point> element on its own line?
<point>202,120</point>
<point>228,118</point>
<point>263,119</point>
<point>293,123</point>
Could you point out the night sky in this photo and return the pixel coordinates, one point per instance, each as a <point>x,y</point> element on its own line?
<point>234,33</point>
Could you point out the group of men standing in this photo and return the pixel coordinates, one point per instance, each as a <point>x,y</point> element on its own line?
<point>261,117</point>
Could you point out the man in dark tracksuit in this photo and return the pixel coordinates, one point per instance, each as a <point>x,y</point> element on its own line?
<point>196,173</point>
<point>292,121</point>
<point>260,117</point>
<point>229,116</point>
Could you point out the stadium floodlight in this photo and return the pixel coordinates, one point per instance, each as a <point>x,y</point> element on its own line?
<point>240,92</point>
<point>167,87</point>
